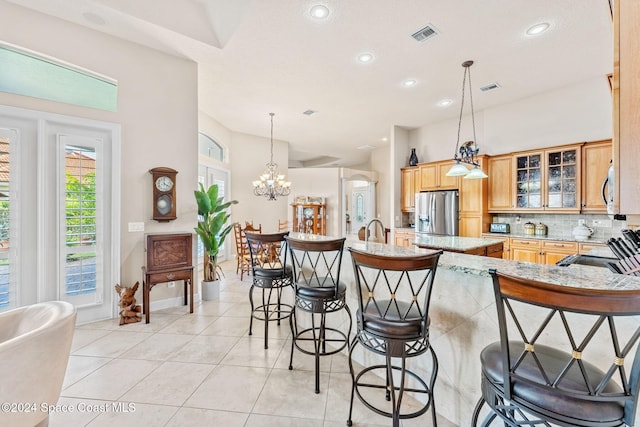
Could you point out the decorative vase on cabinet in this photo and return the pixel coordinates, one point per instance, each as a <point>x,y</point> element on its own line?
<point>413,158</point>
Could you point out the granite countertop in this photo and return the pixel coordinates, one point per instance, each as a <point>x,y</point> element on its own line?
<point>574,275</point>
<point>454,243</point>
<point>547,237</point>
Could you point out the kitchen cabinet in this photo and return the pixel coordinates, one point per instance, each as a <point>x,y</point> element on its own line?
<point>474,217</point>
<point>409,185</point>
<point>310,218</point>
<point>541,251</point>
<point>595,165</point>
<point>404,238</point>
<point>554,251</point>
<point>548,179</point>
<point>626,107</point>
<point>500,183</point>
<point>433,176</point>
<point>527,250</point>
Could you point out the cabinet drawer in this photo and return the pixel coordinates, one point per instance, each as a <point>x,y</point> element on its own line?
<point>586,247</point>
<point>525,242</point>
<point>169,276</point>
<point>564,246</point>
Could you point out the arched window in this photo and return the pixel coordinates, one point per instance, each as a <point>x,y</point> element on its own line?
<point>208,147</point>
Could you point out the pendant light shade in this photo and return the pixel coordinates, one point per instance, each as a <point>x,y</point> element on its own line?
<point>458,170</point>
<point>476,173</point>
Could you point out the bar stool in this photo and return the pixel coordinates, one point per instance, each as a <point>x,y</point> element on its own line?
<point>577,374</point>
<point>271,274</point>
<point>393,321</point>
<point>318,291</point>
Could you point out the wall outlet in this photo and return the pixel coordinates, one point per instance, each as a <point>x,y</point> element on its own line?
<point>581,222</point>
<point>518,219</point>
<point>602,223</point>
<point>136,226</point>
<point>171,285</point>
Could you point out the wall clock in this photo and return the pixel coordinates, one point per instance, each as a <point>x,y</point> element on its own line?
<point>164,193</point>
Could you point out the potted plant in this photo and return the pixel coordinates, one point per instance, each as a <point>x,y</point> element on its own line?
<point>212,229</point>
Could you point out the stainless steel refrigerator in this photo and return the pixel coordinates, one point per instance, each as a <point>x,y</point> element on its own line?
<point>437,212</point>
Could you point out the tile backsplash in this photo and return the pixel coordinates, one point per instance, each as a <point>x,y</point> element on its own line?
<point>561,225</point>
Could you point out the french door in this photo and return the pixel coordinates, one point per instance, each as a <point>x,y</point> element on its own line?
<point>59,211</point>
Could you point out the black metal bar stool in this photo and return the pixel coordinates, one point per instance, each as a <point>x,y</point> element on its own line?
<point>316,265</point>
<point>393,321</point>
<point>566,356</point>
<point>271,274</point>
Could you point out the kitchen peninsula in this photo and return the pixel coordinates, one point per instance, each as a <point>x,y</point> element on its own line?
<point>463,315</point>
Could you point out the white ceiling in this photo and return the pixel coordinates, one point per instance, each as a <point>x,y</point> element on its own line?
<point>262,56</point>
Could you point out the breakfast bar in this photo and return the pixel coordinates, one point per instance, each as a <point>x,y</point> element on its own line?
<point>463,314</point>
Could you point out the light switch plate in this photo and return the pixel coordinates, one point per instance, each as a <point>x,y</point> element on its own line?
<point>136,226</point>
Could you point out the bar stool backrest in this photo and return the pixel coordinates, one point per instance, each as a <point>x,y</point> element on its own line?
<point>316,263</point>
<point>596,331</point>
<point>268,250</point>
<point>394,288</point>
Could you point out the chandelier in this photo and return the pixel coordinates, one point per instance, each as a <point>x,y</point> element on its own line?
<point>467,153</point>
<point>271,183</point>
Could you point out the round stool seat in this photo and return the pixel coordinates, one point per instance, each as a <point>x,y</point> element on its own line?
<point>309,291</point>
<point>547,398</point>
<point>393,325</point>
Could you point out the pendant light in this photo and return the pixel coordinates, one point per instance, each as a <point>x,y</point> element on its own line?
<point>467,153</point>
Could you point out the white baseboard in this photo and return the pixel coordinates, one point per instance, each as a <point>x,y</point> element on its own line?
<point>172,302</point>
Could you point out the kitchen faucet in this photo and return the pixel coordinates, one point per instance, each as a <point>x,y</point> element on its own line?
<point>379,238</point>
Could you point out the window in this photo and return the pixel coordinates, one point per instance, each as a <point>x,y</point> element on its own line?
<point>61,213</point>
<point>209,148</point>
<point>28,73</point>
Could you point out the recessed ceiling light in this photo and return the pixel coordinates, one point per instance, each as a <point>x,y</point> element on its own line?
<point>309,112</point>
<point>538,29</point>
<point>409,83</point>
<point>319,11</point>
<point>445,102</point>
<point>365,57</point>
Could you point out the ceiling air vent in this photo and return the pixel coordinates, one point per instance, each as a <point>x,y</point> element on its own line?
<point>489,87</point>
<point>425,33</point>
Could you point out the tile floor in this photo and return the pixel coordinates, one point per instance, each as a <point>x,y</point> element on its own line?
<point>203,369</point>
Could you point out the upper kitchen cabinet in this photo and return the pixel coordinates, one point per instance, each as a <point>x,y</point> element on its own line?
<point>595,165</point>
<point>500,182</point>
<point>409,185</point>
<point>433,176</point>
<point>548,179</point>
<point>626,107</point>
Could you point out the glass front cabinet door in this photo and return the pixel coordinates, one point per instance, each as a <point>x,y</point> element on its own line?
<point>548,180</point>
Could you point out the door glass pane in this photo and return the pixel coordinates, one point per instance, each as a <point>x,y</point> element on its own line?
<point>80,220</point>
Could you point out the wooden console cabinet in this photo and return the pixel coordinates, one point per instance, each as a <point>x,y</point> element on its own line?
<point>168,259</point>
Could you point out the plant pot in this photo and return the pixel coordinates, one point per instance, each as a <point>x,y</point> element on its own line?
<point>210,290</point>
